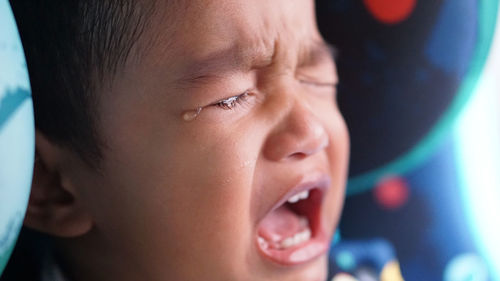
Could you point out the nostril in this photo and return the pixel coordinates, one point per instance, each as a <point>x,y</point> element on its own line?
<point>297,156</point>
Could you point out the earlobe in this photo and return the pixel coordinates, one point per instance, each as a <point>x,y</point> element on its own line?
<point>53,206</point>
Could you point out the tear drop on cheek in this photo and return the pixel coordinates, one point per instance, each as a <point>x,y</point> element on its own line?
<point>190,115</point>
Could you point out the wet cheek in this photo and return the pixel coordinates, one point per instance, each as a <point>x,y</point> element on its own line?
<point>172,189</point>
<point>215,184</point>
<point>213,216</point>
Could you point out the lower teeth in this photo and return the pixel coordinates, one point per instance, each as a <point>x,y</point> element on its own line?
<point>297,239</point>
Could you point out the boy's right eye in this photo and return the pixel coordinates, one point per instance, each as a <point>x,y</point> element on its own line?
<point>231,102</point>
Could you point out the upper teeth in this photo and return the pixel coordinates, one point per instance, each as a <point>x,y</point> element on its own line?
<point>299,196</point>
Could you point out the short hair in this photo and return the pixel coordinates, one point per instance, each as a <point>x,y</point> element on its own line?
<point>73,48</point>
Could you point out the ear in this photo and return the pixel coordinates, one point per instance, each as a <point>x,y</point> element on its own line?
<point>54,207</point>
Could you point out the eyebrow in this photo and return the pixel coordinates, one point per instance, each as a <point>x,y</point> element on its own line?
<point>222,62</point>
<point>234,59</point>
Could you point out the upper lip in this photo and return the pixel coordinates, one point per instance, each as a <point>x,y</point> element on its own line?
<point>320,181</point>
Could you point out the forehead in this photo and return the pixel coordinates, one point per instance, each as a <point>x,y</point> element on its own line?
<point>197,29</point>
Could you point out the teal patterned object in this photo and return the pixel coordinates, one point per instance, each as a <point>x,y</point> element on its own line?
<point>17,133</point>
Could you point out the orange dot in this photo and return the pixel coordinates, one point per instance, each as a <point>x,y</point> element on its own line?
<point>391,192</point>
<point>390,11</point>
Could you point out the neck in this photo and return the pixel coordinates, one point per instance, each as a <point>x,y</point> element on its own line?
<point>92,258</point>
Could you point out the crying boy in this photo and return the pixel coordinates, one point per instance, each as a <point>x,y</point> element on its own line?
<point>184,140</point>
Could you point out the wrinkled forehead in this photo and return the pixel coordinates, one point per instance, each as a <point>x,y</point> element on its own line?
<point>199,28</point>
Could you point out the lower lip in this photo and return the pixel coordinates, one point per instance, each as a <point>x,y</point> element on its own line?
<point>300,254</point>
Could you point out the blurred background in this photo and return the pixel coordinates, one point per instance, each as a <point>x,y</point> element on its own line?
<point>420,93</point>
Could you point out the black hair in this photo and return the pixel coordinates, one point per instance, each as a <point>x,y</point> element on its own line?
<point>73,48</point>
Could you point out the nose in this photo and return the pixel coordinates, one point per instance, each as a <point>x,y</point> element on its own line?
<point>298,135</point>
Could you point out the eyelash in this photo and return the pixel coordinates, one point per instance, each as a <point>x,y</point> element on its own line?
<point>231,102</point>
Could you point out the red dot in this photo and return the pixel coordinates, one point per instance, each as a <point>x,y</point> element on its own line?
<point>390,11</point>
<point>391,192</point>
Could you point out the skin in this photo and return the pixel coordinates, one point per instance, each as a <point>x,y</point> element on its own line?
<point>178,200</point>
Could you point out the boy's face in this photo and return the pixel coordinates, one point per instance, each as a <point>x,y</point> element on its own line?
<point>206,199</point>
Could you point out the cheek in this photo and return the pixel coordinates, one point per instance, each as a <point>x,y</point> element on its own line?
<point>192,188</point>
<point>212,181</point>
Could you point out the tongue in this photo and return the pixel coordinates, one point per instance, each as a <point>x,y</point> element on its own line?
<point>280,224</point>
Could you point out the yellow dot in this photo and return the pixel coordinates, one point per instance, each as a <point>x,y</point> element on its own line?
<point>343,277</point>
<point>391,272</point>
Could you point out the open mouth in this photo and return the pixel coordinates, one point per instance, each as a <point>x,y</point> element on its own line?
<point>291,233</point>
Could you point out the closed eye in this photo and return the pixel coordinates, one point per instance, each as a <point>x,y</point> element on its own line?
<point>318,84</point>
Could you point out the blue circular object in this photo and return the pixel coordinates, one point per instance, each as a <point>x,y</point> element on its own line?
<point>17,133</point>
<point>346,261</point>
